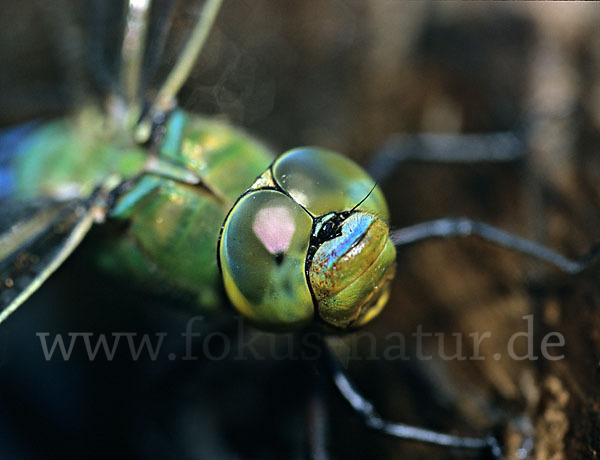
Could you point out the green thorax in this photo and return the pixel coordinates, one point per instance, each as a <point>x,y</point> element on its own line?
<point>172,226</point>
<point>225,159</point>
<point>168,231</point>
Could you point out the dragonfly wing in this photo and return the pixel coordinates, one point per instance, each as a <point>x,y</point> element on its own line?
<point>35,239</point>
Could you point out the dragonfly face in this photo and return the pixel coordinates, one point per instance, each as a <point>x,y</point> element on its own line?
<point>309,240</point>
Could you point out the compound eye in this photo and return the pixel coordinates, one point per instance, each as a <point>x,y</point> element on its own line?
<point>262,252</point>
<point>323,181</point>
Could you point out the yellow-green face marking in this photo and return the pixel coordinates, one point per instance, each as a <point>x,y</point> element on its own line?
<point>296,247</point>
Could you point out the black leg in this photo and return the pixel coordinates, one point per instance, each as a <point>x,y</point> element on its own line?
<point>373,420</point>
<point>316,416</point>
<point>499,147</point>
<point>452,227</point>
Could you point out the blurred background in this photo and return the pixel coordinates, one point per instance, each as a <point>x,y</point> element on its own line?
<point>346,75</point>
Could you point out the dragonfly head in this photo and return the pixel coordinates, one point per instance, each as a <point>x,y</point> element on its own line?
<point>308,240</point>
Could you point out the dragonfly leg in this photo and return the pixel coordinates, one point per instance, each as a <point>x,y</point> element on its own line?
<point>165,98</point>
<point>453,227</point>
<point>365,409</point>
<point>496,147</point>
<point>316,416</point>
<point>133,47</point>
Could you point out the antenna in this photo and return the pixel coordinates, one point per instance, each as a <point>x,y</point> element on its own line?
<point>364,199</point>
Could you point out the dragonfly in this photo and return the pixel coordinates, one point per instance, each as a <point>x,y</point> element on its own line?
<point>275,228</point>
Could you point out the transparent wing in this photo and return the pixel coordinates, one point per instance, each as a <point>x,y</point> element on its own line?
<point>35,239</point>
